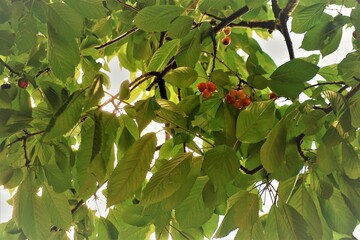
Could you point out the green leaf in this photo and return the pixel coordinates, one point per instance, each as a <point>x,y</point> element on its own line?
<point>340,109</point>
<point>157,18</point>
<point>354,106</point>
<point>288,79</point>
<point>221,164</point>
<point>88,8</point>
<point>124,92</point>
<point>7,40</point>
<point>350,160</point>
<point>190,47</point>
<point>145,112</point>
<point>350,65</point>
<point>95,93</point>
<point>254,4</point>
<point>163,55</point>
<point>328,158</point>
<point>59,180</point>
<point>131,170</point>
<point>58,207</point>
<point>180,26</point>
<point>307,17</point>
<point>254,123</point>
<point>29,212</point>
<point>256,232</point>
<point>167,179</point>
<point>66,21</point>
<point>66,116</point>
<point>63,54</point>
<point>220,78</point>
<point>337,215</point>
<point>107,230</point>
<point>290,224</point>
<point>26,37</point>
<point>181,77</point>
<point>246,209</point>
<point>303,203</point>
<point>192,212</point>
<point>279,155</point>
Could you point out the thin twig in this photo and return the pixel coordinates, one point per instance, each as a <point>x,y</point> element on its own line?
<point>298,145</point>
<point>128,6</point>
<point>9,68</point>
<point>231,18</point>
<point>122,36</point>
<point>26,136</point>
<point>252,171</point>
<point>325,83</point>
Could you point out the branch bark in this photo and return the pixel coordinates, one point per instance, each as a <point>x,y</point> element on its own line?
<point>9,68</point>
<point>122,36</point>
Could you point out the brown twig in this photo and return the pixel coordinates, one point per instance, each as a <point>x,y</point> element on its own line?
<point>122,36</point>
<point>128,6</point>
<point>298,145</point>
<point>231,18</point>
<point>326,83</point>
<point>268,24</point>
<point>252,171</point>
<point>9,68</point>
<point>25,137</point>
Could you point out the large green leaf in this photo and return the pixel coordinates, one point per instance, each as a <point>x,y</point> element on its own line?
<point>88,8</point>
<point>66,116</point>
<point>58,207</point>
<point>350,65</point>
<point>7,40</point>
<point>131,169</point>
<point>350,160</point>
<point>163,55</point>
<point>63,54</point>
<point>328,158</point>
<point>180,26</point>
<point>190,47</point>
<point>29,211</point>
<point>26,37</point>
<point>337,214</point>
<point>303,203</point>
<point>254,123</point>
<point>354,105</point>
<point>307,17</point>
<point>167,180</point>
<point>246,209</point>
<point>288,79</point>
<point>66,21</point>
<point>157,18</point>
<point>145,112</point>
<point>290,224</point>
<point>279,154</point>
<point>181,77</point>
<point>192,212</point>
<point>221,164</point>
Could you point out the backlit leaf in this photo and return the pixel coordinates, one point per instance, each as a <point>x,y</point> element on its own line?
<point>181,77</point>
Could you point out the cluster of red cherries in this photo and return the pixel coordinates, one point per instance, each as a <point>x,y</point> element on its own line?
<point>206,89</point>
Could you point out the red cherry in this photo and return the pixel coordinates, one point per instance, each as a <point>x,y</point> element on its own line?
<point>206,94</point>
<point>201,86</point>
<point>273,95</point>
<point>230,99</point>
<point>233,93</point>
<point>226,40</point>
<point>211,86</point>
<point>246,101</point>
<point>238,104</point>
<point>240,94</point>
<point>23,83</point>
<point>227,30</point>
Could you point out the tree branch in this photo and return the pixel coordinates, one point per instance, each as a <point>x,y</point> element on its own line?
<point>298,145</point>
<point>9,68</point>
<point>326,83</point>
<point>128,6</point>
<point>230,18</point>
<point>122,36</point>
<point>252,171</point>
<point>269,24</point>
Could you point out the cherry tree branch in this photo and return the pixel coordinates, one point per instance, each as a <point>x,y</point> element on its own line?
<point>230,18</point>
<point>122,36</point>
<point>298,145</point>
<point>127,6</point>
<point>9,68</point>
<point>326,83</point>
<point>252,171</point>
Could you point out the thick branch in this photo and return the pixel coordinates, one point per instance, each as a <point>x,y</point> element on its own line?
<point>298,145</point>
<point>252,171</point>
<point>230,18</point>
<point>9,68</point>
<point>128,6</point>
<point>269,24</point>
<point>122,36</point>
